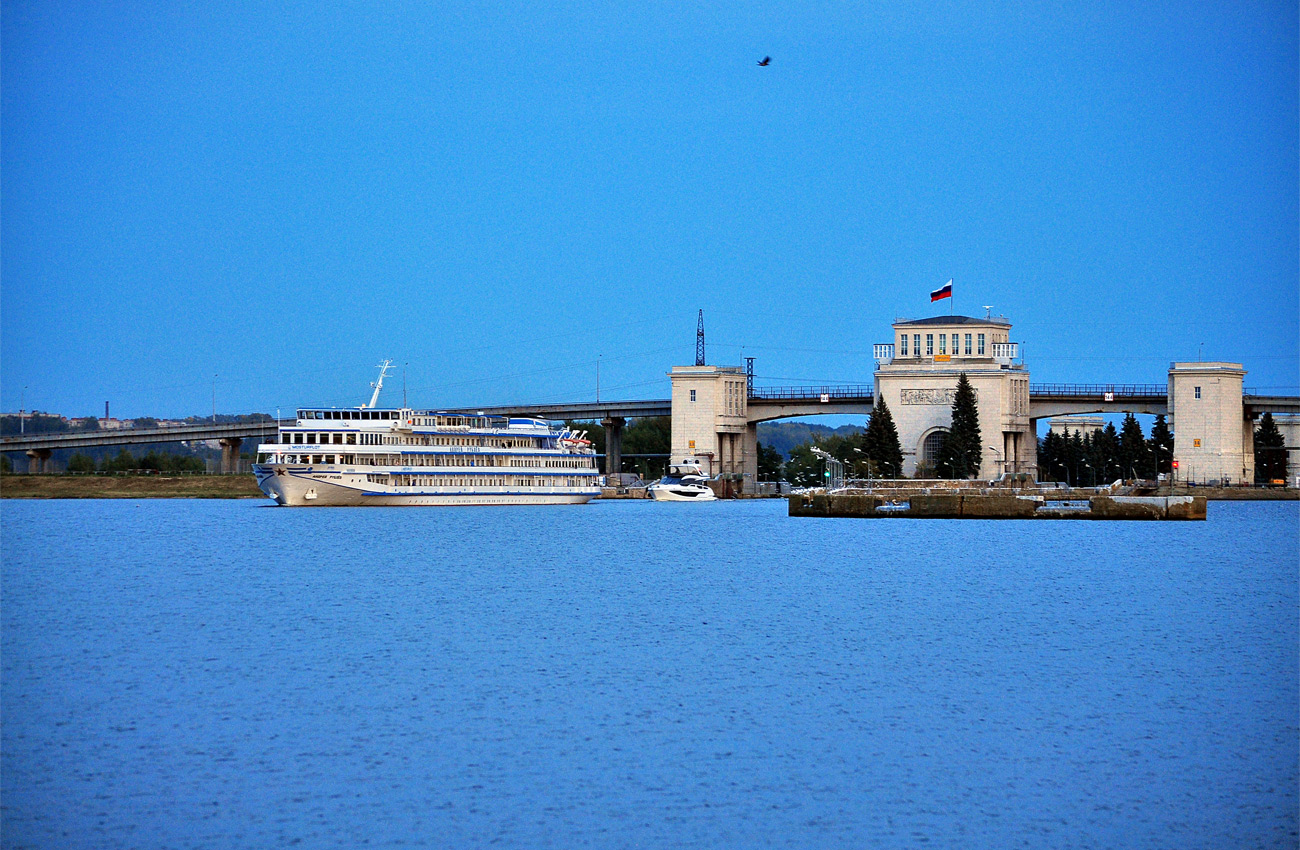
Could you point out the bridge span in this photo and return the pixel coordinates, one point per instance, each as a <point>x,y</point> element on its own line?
<point>763,404</point>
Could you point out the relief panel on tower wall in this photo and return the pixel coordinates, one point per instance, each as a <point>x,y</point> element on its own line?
<point>933,396</point>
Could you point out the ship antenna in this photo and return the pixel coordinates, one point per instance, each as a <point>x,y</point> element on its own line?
<point>699,341</point>
<point>379,385</point>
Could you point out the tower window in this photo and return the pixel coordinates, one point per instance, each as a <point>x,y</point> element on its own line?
<point>692,395</point>
<point>916,344</point>
<point>902,351</point>
<point>1198,392</point>
<point>968,345</point>
<point>943,343</point>
<point>929,345</point>
<point>981,343</point>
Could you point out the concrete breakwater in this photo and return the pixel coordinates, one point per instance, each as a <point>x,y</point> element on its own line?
<point>975,506</point>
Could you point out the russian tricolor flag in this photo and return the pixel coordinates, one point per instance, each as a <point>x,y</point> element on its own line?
<point>942,292</point>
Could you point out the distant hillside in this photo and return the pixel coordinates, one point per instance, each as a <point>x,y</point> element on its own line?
<point>784,436</point>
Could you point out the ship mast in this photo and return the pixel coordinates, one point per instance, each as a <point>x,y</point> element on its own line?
<point>379,385</point>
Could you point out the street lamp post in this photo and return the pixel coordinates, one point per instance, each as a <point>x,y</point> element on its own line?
<point>868,461</point>
<point>834,469</point>
<point>1001,465</point>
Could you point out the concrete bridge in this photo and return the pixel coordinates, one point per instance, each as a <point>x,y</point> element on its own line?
<point>761,404</point>
<point>39,447</point>
<point>1048,400</point>
<point>764,404</point>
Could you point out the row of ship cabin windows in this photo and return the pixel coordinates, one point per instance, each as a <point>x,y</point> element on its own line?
<point>437,460</point>
<point>974,345</point>
<point>366,439</point>
<point>365,415</point>
<point>372,415</point>
<point>499,481</point>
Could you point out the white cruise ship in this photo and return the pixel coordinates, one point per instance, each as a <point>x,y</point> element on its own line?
<point>370,456</point>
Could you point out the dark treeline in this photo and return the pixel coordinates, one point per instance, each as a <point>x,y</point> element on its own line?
<point>873,453</point>
<point>650,435</point>
<point>1270,452</point>
<point>1104,454</point>
<point>170,457</point>
<point>124,461</point>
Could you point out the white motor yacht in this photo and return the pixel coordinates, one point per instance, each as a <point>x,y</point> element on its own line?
<point>685,482</point>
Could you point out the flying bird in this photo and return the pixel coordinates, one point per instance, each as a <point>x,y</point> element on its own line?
<point>767,60</point>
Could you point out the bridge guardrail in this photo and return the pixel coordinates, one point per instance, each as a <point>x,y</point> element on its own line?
<point>1093,390</point>
<point>833,391</point>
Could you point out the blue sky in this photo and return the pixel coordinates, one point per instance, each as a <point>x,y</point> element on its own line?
<point>498,195</point>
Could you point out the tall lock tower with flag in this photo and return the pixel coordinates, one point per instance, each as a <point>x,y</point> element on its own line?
<point>917,373</point>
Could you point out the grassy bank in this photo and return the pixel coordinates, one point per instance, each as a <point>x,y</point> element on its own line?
<point>128,487</point>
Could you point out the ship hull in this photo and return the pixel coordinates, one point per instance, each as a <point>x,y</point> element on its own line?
<point>292,486</point>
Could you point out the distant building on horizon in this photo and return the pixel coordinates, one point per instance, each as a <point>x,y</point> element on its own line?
<point>1071,424</point>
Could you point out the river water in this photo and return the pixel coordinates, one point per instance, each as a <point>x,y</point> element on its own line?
<point>635,674</point>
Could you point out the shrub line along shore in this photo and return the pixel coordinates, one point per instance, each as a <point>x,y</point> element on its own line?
<point>129,487</point>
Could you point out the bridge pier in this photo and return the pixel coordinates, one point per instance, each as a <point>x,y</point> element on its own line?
<point>749,459</point>
<point>37,460</point>
<point>230,455</point>
<point>613,444</point>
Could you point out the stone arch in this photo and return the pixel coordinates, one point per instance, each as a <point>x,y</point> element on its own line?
<point>927,448</point>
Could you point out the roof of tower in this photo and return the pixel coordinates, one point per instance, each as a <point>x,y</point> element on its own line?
<point>953,320</point>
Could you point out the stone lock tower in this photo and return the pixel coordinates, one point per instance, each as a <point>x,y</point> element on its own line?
<point>917,375</point>
<point>1214,442</point>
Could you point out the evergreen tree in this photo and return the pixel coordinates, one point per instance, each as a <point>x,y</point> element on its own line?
<point>1088,460</point>
<point>1270,451</point>
<point>880,443</point>
<point>1162,445</point>
<point>1077,445</point>
<point>1051,462</point>
<point>1134,453</point>
<point>80,463</point>
<point>1104,456</point>
<point>963,448</point>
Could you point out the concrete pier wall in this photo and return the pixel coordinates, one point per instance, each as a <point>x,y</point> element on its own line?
<point>971,506</point>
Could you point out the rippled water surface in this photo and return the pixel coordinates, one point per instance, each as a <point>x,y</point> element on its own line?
<point>223,674</point>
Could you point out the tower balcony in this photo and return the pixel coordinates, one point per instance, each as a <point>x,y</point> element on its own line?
<point>1004,354</point>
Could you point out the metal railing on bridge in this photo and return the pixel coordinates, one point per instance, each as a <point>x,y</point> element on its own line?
<point>1106,391</point>
<point>828,392</point>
